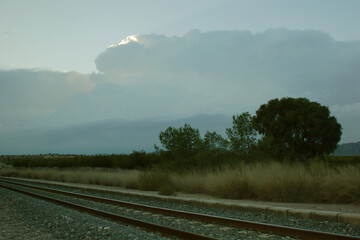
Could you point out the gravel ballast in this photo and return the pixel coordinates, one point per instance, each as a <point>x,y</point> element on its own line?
<point>211,230</point>
<point>24,217</point>
<point>333,227</point>
<point>310,224</point>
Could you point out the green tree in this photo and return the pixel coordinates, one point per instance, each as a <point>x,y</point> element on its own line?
<point>242,135</point>
<point>215,143</point>
<point>184,141</point>
<point>296,128</point>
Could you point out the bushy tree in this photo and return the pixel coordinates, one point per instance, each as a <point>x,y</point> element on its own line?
<point>215,143</point>
<point>242,135</point>
<point>297,128</point>
<point>183,141</point>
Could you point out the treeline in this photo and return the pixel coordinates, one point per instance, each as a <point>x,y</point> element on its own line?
<point>142,160</point>
<point>137,159</point>
<point>289,129</point>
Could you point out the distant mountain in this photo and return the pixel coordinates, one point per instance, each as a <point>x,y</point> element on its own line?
<point>348,149</point>
<point>104,137</point>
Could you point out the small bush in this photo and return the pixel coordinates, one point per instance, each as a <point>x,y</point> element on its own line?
<point>189,182</point>
<point>230,183</point>
<point>153,180</point>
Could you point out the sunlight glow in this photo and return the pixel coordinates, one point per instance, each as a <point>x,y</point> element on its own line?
<point>131,38</point>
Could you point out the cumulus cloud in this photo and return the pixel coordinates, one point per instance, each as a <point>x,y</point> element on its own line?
<point>29,94</point>
<point>275,61</point>
<point>226,72</point>
<point>230,71</point>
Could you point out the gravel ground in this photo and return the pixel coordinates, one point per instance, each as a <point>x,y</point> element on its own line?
<point>325,226</point>
<point>212,230</point>
<point>23,217</point>
<point>225,233</point>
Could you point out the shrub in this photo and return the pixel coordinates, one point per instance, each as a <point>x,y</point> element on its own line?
<point>153,180</point>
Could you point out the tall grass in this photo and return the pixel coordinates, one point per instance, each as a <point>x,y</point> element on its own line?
<point>271,181</point>
<point>106,177</point>
<point>268,181</point>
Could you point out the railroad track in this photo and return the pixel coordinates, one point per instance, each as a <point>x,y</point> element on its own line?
<point>168,231</point>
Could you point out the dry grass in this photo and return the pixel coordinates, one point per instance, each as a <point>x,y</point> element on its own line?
<point>275,182</point>
<point>120,178</point>
<point>261,181</point>
<point>343,185</point>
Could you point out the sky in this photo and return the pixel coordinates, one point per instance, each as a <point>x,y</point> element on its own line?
<point>107,76</point>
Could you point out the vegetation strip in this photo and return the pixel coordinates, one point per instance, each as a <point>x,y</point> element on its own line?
<point>268,228</point>
<point>264,181</point>
<point>129,221</point>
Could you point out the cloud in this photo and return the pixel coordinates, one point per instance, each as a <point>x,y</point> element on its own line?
<point>110,101</point>
<point>231,71</point>
<point>29,94</point>
<point>228,72</point>
<point>273,62</point>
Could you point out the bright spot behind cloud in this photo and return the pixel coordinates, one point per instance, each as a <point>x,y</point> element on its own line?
<point>131,38</point>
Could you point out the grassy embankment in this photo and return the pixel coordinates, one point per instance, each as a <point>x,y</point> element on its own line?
<point>270,181</point>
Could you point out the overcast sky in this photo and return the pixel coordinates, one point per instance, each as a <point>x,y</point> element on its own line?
<point>66,64</point>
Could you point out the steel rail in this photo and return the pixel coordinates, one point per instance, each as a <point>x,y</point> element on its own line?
<point>261,227</point>
<point>167,231</point>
